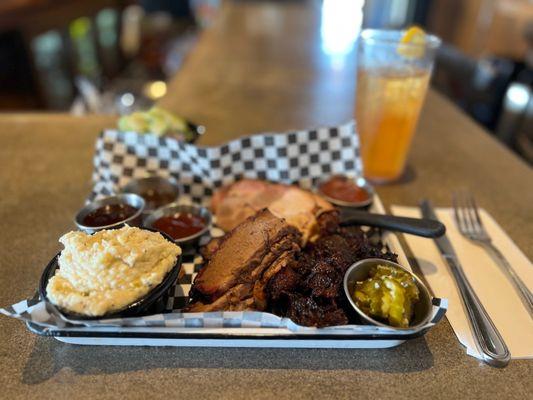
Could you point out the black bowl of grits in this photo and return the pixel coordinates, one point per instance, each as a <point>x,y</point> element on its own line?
<point>150,303</point>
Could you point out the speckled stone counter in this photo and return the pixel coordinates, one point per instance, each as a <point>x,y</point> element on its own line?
<point>45,174</point>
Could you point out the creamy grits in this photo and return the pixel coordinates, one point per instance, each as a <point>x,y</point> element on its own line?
<point>110,269</point>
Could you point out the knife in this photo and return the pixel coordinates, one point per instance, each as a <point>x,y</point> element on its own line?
<point>414,226</point>
<point>488,340</point>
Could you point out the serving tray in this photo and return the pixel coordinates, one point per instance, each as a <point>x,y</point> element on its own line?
<point>363,336</point>
<point>299,157</point>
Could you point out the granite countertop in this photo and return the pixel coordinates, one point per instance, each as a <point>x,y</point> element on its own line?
<point>46,164</point>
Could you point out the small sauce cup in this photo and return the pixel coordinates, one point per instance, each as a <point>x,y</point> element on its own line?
<point>174,209</point>
<point>359,183</point>
<point>360,271</point>
<point>129,199</point>
<point>156,191</point>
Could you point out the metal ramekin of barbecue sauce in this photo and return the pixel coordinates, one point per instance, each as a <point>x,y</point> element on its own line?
<point>108,214</point>
<point>180,225</point>
<point>345,191</point>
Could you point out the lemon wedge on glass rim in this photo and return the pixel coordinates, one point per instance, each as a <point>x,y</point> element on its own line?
<point>413,43</point>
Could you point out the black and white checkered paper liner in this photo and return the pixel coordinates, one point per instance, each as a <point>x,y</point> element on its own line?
<point>35,311</point>
<point>300,157</point>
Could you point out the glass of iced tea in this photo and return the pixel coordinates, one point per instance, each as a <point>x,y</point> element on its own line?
<point>393,71</point>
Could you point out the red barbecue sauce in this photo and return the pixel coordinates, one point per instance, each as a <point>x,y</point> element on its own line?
<point>345,189</point>
<point>108,215</point>
<point>180,225</point>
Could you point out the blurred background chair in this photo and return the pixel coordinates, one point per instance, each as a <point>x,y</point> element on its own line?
<point>486,66</point>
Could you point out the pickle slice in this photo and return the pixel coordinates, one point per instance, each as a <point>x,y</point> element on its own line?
<point>388,294</point>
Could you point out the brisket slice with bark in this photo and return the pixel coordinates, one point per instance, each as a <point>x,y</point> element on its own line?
<point>242,264</point>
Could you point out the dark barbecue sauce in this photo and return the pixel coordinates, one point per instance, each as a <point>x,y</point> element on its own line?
<point>156,198</point>
<point>180,225</point>
<point>108,215</point>
<point>345,189</point>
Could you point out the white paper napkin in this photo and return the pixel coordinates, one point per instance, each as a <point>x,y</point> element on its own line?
<point>490,283</point>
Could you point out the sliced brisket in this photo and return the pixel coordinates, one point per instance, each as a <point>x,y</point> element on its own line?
<point>245,259</point>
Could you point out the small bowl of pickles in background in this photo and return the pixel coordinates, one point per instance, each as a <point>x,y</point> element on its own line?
<point>386,294</point>
<point>160,122</point>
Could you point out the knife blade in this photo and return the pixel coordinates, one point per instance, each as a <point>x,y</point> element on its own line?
<point>443,243</point>
<point>487,338</point>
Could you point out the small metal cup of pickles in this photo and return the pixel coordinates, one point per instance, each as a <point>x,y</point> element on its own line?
<point>386,294</point>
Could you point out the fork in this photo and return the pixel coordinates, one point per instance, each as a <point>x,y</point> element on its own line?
<point>470,225</point>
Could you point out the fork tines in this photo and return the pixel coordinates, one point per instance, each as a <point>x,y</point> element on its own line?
<point>467,216</point>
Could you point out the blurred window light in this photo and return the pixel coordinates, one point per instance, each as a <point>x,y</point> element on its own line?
<point>80,31</point>
<point>47,49</point>
<point>517,97</point>
<point>127,99</point>
<point>155,90</point>
<point>107,22</point>
<point>387,14</point>
<point>107,29</point>
<point>130,38</point>
<point>80,27</point>
<point>205,11</point>
<point>398,12</point>
<point>340,25</point>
